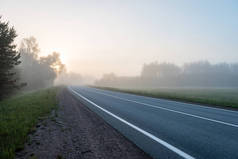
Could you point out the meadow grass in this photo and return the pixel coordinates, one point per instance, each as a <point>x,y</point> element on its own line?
<point>219,97</point>
<point>19,115</point>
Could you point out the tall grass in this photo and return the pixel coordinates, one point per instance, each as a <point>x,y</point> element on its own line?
<point>19,115</point>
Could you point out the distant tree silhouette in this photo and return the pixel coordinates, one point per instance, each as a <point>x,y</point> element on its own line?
<point>195,74</point>
<point>9,58</point>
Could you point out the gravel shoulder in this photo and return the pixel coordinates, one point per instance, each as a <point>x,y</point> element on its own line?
<point>74,131</point>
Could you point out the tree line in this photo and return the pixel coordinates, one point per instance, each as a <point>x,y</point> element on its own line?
<point>23,68</point>
<point>194,74</point>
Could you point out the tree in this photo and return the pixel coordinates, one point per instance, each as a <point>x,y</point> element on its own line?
<point>38,72</point>
<point>9,58</point>
<point>53,60</point>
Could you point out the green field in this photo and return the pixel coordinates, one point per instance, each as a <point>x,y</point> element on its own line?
<point>220,97</point>
<point>19,115</point>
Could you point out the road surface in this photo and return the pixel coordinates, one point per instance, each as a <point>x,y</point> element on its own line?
<point>164,128</point>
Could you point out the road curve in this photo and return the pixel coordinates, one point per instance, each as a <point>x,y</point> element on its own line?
<point>164,128</point>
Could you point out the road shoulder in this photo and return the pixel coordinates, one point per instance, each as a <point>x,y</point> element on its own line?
<point>74,131</point>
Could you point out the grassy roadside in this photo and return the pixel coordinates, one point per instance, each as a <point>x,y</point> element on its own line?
<point>19,115</point>
<point>218,97</point>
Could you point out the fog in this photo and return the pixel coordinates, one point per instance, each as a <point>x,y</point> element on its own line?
<point>116,43</point>
<point>97,37</point>
<point>36,72</point>
<point>195,74</point>
<point>72,78</point>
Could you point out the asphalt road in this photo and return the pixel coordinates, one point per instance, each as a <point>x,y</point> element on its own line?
<point>166,129</point>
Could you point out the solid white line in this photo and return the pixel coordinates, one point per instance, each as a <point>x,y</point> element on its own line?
<point>167,145</point>
<point>175,111</point>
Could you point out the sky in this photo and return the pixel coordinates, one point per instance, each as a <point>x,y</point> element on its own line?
<point>102,36</point>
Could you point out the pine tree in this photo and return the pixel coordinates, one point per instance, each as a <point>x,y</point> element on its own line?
<point>9,58</point>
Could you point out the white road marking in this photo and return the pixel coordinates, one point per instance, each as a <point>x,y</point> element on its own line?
<point>167,145</point>
<point>175,111</point>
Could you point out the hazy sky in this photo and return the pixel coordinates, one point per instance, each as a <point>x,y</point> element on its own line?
<point>101,36</point>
